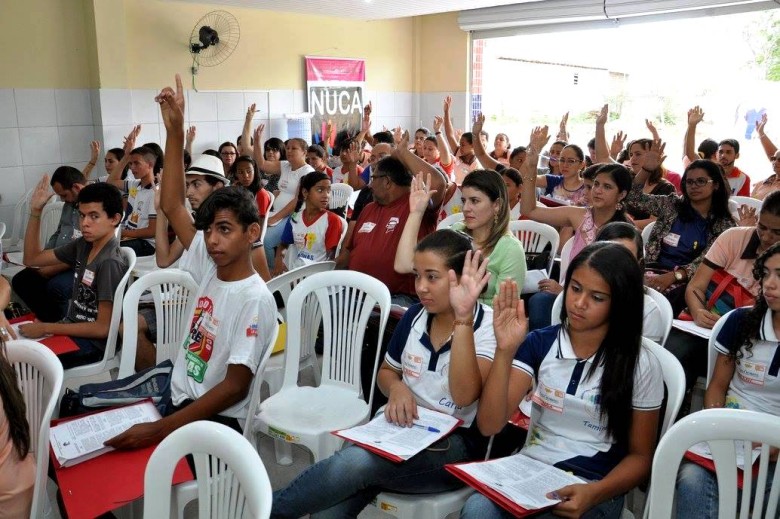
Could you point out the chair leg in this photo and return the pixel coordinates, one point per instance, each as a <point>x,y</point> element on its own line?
<point>283,451</point>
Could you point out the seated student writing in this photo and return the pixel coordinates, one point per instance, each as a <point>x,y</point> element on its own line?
<point>98,264</point>
<point>745,377</point>
<point>231,327</point>
<point>313,229</point>
<point>603,425</point>
<point>438,357</point>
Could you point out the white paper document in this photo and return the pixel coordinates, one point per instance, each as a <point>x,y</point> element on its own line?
<point>692,328</point>
<point>401,443</point>
<point>703,450</point>
<point>20,335</point>
<point>532,279</point>
<point>521,479</point>
<point>82,439</point>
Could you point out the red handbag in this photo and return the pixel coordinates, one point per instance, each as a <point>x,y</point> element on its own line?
<point>724,293</point>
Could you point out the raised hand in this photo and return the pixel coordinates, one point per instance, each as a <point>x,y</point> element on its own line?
<point>447,104</point>
<point>465,291</point>
<point>259,134</point>
<point>695,115</point>
<point>539,137</point>
<point>760,124</point>
<point>354,152</point>
<point>655,155</point>
<point>250,112</point>
<point>618,143</point>
<point>458,134</point>
<point>479,123</point>
<point>562,133</point>
<point>747,216</point>
<point>403,144</point>
<point>510,324</point>
<point>190,135</point>
<point>365,124</point>
<point>437,123</point>
<point>651,127</point>
<point>94,148</point>
<point>397,133</point>
<point>172,106</point>
<point>601,118</point>
<point>129,141</point>
<point>41,194</point>
<point>367,110</point>
<point>420,193</point>
<point>328,132</point>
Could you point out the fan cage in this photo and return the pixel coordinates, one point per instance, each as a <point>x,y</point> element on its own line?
<point>229,33</point>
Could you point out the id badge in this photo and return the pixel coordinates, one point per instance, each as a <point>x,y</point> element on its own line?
<point>412,365</point>
<point>751,372</point>
<point>549,397</point>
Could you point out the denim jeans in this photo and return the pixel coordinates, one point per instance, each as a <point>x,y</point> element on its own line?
<point>540,310</point>
<point>272,239</point>
<point>345,483</point>
<point>481,507</point>
<point>697,491</point>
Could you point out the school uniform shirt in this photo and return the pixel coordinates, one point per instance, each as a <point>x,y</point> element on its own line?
<point>462,169</point>
<point>755,385</point>
<point>739,182</point>
<point>566,427</point>
<point>313,239</point>
<point>684,242</point>
<point>140,206</point>
<point>232,324</point>
<point>340,174</point>
<point>514,212</point>
<point>735,251</point>
<point>288,185</point>
<point>93,282</point>
<point>452,206</point>
<point>426,371</point>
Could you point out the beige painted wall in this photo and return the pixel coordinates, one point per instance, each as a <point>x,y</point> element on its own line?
<point>141,43</point>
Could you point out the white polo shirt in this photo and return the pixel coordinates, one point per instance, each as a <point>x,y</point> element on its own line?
<point>426,371</point>
<point>755,385</point>
<point>566,427</point>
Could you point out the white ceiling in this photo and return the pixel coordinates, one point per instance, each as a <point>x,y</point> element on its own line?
<point>364,9</point>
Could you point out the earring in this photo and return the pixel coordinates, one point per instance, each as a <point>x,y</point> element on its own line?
<point>619,206</point>
<point>495,219</point>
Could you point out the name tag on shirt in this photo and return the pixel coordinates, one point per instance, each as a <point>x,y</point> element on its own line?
<point>672,239</point>
<point>367,227</point>
<point>751,372</point>
<point>413,365</point>
<point>549,397</point>
<point>88,278</point>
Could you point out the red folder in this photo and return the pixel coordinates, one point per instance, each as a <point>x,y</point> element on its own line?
<point>710,465</point>
<point>59,344</point>
<point>495,496</point>
<point>109,481</point>
<point>520,420</point>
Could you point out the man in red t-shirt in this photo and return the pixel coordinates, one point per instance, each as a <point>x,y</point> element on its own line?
<point>378,230</point>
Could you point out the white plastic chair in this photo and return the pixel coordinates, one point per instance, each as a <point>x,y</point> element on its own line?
<point>447,222</point>
<point>265,220</point>
<point>307,415</point>
<point>110,359</point>
<point>173,292</point>
<point>50,219</point>
<point>646,233</point>
<point>339,196</point>
<point>565,259</point>
<point>19,224</point>
<point>535,236</point>
<point>667,314</point>
<point>344,226</point>
<point>755,203</point>
<point>231,479</point>
<point>719,428</point>
<point>39,372</point>
<point>712,353</point>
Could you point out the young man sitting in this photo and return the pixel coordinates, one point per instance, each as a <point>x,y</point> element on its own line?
<point>233,320</point>
<point>98,264</point>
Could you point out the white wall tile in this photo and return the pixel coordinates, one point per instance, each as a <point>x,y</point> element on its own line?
<point>143,108</point>
<point>203,106</point>
<point>149,133</point>
<point>116,107</point>
<point>40,145</point>
<point>10,149</point>
<point>385,104</point>
<point>402,103</point>
<point>11,189</point>
<point>33,174</point>
<point>260,98</point>
<point>7,214</point>
<point>300,101</point>
<point>74,143</point>
<point>7,109</point>
<point>74,107</point>
<point>229,130</point>
<point>97,113</point>
<point>230,106</point>
<point>112,135</point>
<point>35,107</point>
<point>281,102</point>
<point>207,137</point>
<point>369,95</point>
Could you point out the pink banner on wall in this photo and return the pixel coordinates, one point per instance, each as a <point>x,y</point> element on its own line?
<point>335,69</point>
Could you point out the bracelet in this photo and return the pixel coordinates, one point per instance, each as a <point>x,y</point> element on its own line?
<point>462,323</point>
<point>38,216</point>
<point>715,405</point>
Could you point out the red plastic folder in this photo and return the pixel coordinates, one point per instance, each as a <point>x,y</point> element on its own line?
<point>710,465</point>
<point>108,481</point>
<point>59,344</point>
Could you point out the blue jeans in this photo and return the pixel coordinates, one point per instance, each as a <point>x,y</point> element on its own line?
<point>272,239</point>
<point>345,483</point>
<point>697,491</point>
<point>540,309</point>
<point>481,507</point>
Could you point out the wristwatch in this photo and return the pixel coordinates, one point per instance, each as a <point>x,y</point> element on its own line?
<point>679,274</point>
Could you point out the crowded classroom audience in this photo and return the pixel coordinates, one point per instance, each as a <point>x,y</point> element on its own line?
<point>472,338</point>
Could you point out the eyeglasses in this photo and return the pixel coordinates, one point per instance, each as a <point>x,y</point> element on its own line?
<point>700,182</point>
<point>227,153</point>
<point>569,162</point>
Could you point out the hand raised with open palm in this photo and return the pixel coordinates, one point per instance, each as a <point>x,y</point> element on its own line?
<point>464,292</point>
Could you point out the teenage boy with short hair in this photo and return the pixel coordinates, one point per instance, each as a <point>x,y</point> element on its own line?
<point>233,320</point>
<point>98,265</point>
<point>728,153</point>
<point>139,223</point>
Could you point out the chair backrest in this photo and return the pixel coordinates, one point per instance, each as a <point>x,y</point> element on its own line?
<point>339,195</point>
<point>116,318</point>
<point>173,292</point>
<point>447,222</point>
<point>285,283</point>
<point>712,353</point>
<point>2,230</point>
<point>719,428</point>
<point>565,259</point>
<point>674,379</point>
<point>344,226</point>
<point>346,300</point>
<point>232,480</point>
<point>272,199</point>
<point>21,214</point>
<point>535,236</point>
<point>50,220</point>
<point>255,391</point>
<point>665,307</point>
<point>749,201</point>
<point>646,233</point>
<point>39,373</point>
